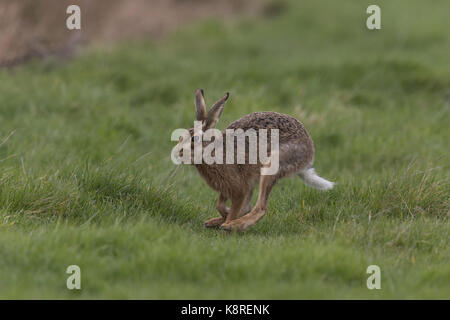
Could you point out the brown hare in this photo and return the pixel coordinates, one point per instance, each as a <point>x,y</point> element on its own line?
<point>235,182</point>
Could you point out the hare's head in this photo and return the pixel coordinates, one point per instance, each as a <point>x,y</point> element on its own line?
<point>205,119</point>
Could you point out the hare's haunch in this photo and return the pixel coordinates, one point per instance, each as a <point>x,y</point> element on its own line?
<point>236,182</point>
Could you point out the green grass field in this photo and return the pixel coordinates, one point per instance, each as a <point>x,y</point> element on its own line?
<point>86,176</point>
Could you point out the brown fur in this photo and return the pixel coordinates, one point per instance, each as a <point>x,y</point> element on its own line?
<point>236,182</point>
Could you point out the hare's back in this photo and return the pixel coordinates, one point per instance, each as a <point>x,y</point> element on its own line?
<point>289,127</point>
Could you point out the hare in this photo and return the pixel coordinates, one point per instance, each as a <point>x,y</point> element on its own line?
<point>236,182</point>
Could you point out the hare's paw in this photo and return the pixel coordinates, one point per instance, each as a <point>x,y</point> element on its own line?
<point>237,225</point>
<point>214,222</point>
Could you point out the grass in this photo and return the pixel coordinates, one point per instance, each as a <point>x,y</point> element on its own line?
<point>86,176</point>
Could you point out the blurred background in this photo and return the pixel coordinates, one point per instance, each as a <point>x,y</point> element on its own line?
<point>31,28</point>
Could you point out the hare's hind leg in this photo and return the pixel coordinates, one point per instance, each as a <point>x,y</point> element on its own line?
<point>265,186</point>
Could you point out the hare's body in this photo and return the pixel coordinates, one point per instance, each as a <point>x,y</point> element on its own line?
<point>236,182</point>
<point>296,153</point>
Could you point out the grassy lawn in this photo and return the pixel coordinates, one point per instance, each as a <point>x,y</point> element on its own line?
<point>86,176</point>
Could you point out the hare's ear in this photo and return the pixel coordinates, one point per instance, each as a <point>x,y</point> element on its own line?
<point>200,106</point>
<point>215,112</point>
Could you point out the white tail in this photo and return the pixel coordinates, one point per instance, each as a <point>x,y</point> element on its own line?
<point>312,179</point>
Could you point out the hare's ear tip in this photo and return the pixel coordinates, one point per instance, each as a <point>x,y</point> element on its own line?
<point>201,91</point>
<point>227,95</point>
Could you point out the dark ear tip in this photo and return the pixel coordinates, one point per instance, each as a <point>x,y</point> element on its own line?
<point>201,91</point>
<point>227,95</point>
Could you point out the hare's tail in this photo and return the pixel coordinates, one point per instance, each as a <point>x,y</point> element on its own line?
<point>311,178</point>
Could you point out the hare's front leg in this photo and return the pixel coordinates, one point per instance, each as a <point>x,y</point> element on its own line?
<point>237,205</point>
<point>223,210</point>
<point>245,207</point>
